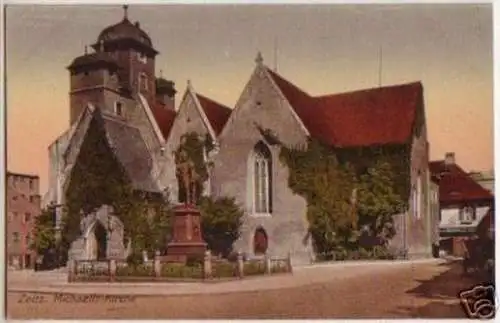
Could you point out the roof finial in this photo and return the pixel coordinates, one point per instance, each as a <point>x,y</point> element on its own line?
<point>259,59</point>
<point>189,85</point>
<point>125,12</point>
<point>86,52</point>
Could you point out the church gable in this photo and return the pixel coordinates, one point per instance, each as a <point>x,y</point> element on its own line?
<point>262,105</point>
<point>190,118</point>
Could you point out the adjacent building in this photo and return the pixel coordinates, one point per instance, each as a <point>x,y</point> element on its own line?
<point>23,206</point>
<point>463,203</point>
<point>115,88</point>
<point>485,178</point>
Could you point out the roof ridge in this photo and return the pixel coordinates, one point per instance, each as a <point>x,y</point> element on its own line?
<point>276,74</point>
<point>393,86</point>
<point>213,101</point>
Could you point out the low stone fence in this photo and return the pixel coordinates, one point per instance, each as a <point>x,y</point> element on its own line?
<point>210,269</point>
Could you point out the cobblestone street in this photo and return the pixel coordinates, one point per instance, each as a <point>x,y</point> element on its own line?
<point>401,290</point>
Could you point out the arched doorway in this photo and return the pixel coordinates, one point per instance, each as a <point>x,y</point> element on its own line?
<point>101,237</point>
<point>260,241</point>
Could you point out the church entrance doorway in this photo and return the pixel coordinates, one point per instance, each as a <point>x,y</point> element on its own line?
<point>260,241</point>
<point>101,237</point>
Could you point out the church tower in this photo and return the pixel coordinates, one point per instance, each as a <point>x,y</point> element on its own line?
<point>121,66</point>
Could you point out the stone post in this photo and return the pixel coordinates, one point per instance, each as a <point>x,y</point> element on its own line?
<point>289,262</point>
<point>112,269</point>
<point>267,260</point>
<point>241,267</point>
<point>207,265</point>
<point>72,270</point>
<point>157,264</point>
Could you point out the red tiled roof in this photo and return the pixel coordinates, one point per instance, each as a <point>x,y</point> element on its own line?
<point>216,113</point>
<point>360,118</point>
<point>164,117</point>
<point>486,223</point>
<point>455,185</point>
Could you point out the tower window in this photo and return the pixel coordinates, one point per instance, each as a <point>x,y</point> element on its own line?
<point>143,82</point>
<point>141,57</point>
<point>118,108</point>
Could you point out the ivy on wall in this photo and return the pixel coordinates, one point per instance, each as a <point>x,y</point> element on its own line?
<point>351,194</point>
<point>97,179</point>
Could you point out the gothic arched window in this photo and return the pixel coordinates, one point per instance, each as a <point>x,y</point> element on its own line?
<point>262,179</point>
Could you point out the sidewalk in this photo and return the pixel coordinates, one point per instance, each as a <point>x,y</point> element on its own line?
<point>305,275</point>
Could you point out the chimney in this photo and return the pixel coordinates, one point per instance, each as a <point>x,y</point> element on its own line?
<point>449,158</point>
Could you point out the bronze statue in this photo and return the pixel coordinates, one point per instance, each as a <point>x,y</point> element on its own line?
<point>185,170</point>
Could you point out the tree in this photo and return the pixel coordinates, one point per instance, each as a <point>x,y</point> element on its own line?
<point>160,224</point>
<point>378,202</point>
<point>221,219</point>
<point>44,235</point>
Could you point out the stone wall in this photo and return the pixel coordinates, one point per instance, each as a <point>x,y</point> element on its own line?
<point>287,226</point>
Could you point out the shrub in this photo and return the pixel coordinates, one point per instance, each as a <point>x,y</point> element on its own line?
<point>224,269</point>
<point>279,267</point>
<point>253,268</point>
<point>194,261</point>
<point>177,270</point>
<point>135,271</point>
<point>135,259</point>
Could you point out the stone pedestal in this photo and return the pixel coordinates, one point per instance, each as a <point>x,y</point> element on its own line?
<point>187,241</point>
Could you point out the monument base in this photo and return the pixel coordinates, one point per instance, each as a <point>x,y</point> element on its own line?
<point>187,242</point>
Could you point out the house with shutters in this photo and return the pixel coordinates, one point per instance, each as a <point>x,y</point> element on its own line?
<point>463,202</point>
<point>116,83</point>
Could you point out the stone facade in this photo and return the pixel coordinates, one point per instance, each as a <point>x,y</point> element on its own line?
<point>286,226</point>
<point>85,247</point>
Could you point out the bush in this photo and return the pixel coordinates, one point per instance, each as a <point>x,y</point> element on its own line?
<point>135,271</point>
<point>224,269</point>
<point>194,261</point>
<point>253,268</point>
<point>177,270</point>
<point>279,268</point>
<point>134,259</point>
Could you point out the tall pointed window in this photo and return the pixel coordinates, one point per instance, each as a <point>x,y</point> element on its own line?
<point>262,179</point>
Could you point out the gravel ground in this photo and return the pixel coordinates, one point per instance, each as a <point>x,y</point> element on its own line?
<point>421,290</point>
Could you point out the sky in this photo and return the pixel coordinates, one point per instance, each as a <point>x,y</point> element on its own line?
<point>327,48</point>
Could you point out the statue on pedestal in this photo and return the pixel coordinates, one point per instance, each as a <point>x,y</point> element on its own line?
<point>187,239</point>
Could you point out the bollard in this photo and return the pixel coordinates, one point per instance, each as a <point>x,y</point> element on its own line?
<point>112,269</point>
<point>289,262</point>
<point>157,264</point>
<point>207,265</point>
<point>240,265</point>
<point>267,260</point>
<point>71,270</point>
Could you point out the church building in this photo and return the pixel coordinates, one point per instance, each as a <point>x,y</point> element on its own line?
<point>116,82</point>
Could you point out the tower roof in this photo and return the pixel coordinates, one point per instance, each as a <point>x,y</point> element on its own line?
<point>94,60</point>
<point>122,32</point>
